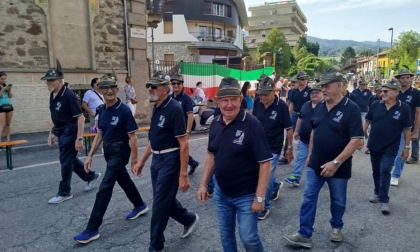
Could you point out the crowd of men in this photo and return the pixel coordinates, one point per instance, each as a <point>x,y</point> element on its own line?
<point>328,123</point>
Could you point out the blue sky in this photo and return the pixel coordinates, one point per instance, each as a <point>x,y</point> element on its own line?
<point>359,20</point>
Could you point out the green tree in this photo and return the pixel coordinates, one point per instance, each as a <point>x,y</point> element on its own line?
<point>275,40</point>
<point>407,50</point>
<point>313,64</point>
<point>347,55</point>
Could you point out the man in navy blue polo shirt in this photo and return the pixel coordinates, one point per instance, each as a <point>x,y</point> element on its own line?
<point>116,129</point>
<point>389,118</point>
<point>168,141</point>
<point>239,156</point>
<point>303,133</point>
<point>345,92</point>
<point>297,98</point>
<point>362,97</point>
<point>411,97</point>
<point>185,101</point>
<point>69,122</point>
<point>336,134</point>
<point>377,89</point>
<point>273,114</point>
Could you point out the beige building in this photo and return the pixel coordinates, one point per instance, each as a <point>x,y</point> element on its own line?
<point>285,15</point>
<point>87,36</point>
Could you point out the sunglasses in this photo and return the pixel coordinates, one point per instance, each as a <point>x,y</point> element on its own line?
<point>151,86</point>
<point>315,92</point>
<point>106,88</point>
<point>384,91</point>
<point>176,83</point>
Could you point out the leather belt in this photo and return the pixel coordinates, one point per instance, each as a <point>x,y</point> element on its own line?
<point>165,150</point>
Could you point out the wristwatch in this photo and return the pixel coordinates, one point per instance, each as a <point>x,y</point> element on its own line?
<point>337,164</point>
<point>260,199</point>
<point>80,139</point>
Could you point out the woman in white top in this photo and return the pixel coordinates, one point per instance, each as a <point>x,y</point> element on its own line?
<point>91,100</point>
<point>200,97</point>
<point>130,93</point>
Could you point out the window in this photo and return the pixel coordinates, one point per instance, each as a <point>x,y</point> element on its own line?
<point>218,9</point>
<point>168,27</point>
<point>217,33</point>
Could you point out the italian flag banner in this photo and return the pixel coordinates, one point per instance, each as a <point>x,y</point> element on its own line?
<point>211,75</point>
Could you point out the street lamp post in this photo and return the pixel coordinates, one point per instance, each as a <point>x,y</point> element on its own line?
<point>390,51</point>
<point>377,58</point>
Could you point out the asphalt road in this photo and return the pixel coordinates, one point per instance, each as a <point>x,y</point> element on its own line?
<point>29,223</point>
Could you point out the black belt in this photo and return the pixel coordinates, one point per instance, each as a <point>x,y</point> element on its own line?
<point>115,144</point>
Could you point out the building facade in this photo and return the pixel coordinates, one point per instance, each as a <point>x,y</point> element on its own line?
<point>285,15</point>
<point>198,31</point>
<point>88,37</point>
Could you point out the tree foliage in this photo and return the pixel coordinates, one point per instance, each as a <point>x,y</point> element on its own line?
<point>407,50</point>
<point>347,55</point>
<point>274,41</point>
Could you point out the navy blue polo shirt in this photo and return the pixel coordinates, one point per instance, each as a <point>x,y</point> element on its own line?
<point>238,148</point>
<point>387,126</point>
<point>244,105</point>
<point>299,98</point>
<point>116,122</point>
<point>305,127</point>
<point>289,94</point>
<point>351,96</point>
<point>65,107</point>
<point>362,98</point>
<point>412,98</point>
<point>166,125</point>
<point>275,119</point>
<point>332,131</point>
<point>374,98</point>
<point>185,101</point>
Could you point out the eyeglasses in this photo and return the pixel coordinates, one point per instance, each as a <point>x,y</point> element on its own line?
<point>176,83</point>
<point>151,86</point>
<point>302,79</point>
<point>384,91</point>
<point>315,92</point>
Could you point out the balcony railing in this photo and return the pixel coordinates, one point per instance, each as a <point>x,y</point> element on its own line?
<point>213,37</point>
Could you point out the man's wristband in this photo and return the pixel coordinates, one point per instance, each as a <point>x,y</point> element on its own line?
<point>407,147</point>
<point>290,147</point>
<point>188,132</point>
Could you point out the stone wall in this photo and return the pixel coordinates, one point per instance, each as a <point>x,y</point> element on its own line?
<point>23,35</point>
<point>180,51</point>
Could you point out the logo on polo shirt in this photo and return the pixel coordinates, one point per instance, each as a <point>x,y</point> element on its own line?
<point>273,115</point>
<point>161,121</point>
<point>180,102</point>
<point>409,99</point>
<point>58,106</point>
<point>239,137</point>
<point>397,115</point>
<point>338,116</point>
<point>114,120</point>
<point>365,94</point>
<point>305,94</point>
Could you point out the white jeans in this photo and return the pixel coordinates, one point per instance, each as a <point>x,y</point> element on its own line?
<point>132,107</point>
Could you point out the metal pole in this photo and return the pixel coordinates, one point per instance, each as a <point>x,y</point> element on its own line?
<point>153,54</point>
<point>390,51</point>
<point>127,50</point>
<point>377,57</point>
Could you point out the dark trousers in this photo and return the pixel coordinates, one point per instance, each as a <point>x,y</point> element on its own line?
<point>165,171</point>
<point>69,161</point>
<point>381,172</point>
<point>192,161</point>
<point>116,157</point>
<point>293,118</point>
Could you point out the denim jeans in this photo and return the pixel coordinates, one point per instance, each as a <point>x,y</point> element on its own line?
<point>273,183</point>
<point>210,185</point>
<point>415,148</point>
<point>338,196</point>
<point>116,157</point>
<point>399,163</point>
<point>381,172</point>
<point>300,161</point>
<point>165,171</point>
<point>363,115</point>
<point>69,161</point>
<point>228,210</point>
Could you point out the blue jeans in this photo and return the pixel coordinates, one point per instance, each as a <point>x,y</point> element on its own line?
<point>363,115</point>
<point>300,161</point>
<point>116,156</point>
<point>228,210</point>
<point>273,183</point>
<point>381,172</point>
<point>338,196</point>
<point>210,185</point>
<point>399,163</point>
<point>69,161</point>
<point>165,171</point>
<point>415,148</point>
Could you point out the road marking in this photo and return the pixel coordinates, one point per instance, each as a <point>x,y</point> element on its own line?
<point>81,158</point>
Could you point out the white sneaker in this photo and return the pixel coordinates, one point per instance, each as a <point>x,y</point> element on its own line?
<point>58,199</point>
<point>91,184</point>
<point>394,181</point>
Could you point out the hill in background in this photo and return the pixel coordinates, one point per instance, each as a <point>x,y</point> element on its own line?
<point>335,47</point>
